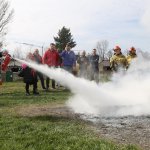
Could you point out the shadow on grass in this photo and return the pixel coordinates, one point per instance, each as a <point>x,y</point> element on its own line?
<point>12,94</point>
<point>3,105</point>
<point>57,118</point>
<point>53,118</point>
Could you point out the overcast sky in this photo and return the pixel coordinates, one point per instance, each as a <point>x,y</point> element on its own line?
<point>121,22</point>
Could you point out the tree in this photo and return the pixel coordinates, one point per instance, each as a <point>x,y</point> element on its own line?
<point>102,47</point>
<point>109,54</point>
<point>5,17</point>
<point>64,37</point>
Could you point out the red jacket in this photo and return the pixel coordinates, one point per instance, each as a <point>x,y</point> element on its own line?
<point>51,58</point>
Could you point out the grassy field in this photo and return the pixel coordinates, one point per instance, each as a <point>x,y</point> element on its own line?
<point>44,132</point>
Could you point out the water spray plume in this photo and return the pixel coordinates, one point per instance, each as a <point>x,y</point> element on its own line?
<point>125,94</point>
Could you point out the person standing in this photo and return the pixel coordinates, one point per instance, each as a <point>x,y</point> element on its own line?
<point>51,58</point>
<point>132,54</point>
<point>7,58</point>
<point>38,60</point>
<point>118,60</point>
<point>68,59</point>
<point>83,64</point>
<point>4,63</point>
<point>29,76</point>
<point>94,66</point>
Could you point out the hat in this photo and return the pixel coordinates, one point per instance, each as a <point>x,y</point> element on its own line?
<point>117,48</point>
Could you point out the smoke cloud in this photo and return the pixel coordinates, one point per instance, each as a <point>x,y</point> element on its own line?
<point>128,93</point>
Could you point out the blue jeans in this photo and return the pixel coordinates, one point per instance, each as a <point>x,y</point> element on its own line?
<point>68,68</point>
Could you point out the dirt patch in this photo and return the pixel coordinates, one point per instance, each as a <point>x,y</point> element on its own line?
<point>124,130</point>
<point>128,130</point>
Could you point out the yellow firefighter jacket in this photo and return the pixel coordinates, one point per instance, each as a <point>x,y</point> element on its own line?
<point>130,57</point>
<point>118,61</point>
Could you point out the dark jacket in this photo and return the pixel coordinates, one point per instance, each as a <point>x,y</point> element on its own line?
<point>94,60</point>
<point>1,54</point>
<point>29,75</point>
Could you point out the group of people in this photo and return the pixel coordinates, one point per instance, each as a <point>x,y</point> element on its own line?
<point>52,58</point>
<point>119,61</point>
<point>88,65</point>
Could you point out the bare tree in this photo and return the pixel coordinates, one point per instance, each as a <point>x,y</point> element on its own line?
<point>102,48</point>
<point>5,17</point>
<point>109,54</point>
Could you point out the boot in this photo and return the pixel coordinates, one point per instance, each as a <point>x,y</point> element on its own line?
<point>27,92</point>
<point>35,92</point>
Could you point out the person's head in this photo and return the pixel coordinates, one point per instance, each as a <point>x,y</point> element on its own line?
<point>132,50</point>
<point>29,56</point>
<point>5,52</point>
<point>83,53</point>
<point>36,52</point>
<point>117,50</point>
<point>52,46</point>
<point>68,47</point>
<point>94,51</point>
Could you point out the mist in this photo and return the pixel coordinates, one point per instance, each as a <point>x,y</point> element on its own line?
<point>128,92</point>
<point>145,18</point>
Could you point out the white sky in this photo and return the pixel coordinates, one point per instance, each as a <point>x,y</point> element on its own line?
<point>122,22</point>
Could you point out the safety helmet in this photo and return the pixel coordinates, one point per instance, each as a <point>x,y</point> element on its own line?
<point>132,49</point>
<point>116,48</point>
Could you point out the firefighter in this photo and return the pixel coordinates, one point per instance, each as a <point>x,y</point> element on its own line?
<point>118,60</point>
<point>132,54</point>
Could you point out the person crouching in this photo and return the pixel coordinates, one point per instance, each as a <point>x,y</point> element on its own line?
<point>29,76</point>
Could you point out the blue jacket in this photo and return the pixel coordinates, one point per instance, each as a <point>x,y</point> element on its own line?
<point>68,58</point>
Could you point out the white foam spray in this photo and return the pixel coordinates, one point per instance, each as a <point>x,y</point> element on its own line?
<point>127,94</point>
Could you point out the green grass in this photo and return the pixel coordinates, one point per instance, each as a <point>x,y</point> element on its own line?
<point>44,132</point>
<point>14,94</point>
<point>49,132</point>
